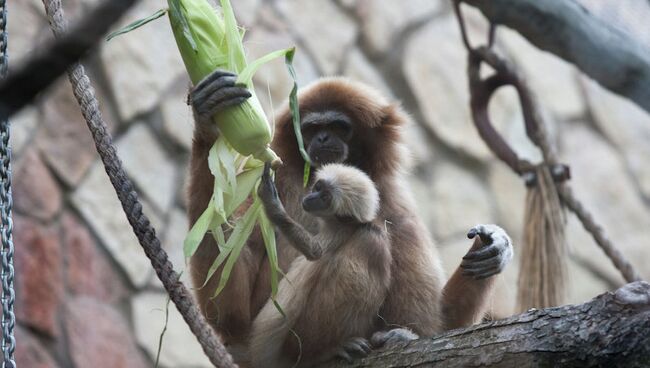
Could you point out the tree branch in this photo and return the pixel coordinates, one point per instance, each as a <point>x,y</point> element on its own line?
<point>611,330</point>
<point>565,28</point>
<point>39,71</point>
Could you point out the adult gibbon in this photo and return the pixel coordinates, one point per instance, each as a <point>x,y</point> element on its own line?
<point>341,122</point>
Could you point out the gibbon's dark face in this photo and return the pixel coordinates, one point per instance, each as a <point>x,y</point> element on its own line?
<point>319,201</point>
<point>326,135</point>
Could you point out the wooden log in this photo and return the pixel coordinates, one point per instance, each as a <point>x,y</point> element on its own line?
<point>611,330</point>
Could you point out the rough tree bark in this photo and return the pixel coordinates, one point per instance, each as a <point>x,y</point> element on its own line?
<point>614,59</point>
<point>611,330</point>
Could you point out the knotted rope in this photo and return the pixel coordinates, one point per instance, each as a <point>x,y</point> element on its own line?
<point>543,255</point>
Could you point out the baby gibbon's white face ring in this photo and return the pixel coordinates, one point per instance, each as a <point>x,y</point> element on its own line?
<point>342,190</point>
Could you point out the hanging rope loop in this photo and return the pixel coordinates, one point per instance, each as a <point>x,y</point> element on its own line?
<point>540,175</point>
<point>543,251</point>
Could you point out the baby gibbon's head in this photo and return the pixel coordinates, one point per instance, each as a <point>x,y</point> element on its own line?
<point>342,190</point>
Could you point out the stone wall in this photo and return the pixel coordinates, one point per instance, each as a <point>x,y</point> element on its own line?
<point>86,295</point>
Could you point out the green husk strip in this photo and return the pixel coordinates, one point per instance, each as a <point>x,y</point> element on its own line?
<point>137,24</point>
<point>220,184</point>
<point>245,184</point>
<point>227,162</point>
<point>269,242</point>
<point>217,234</point>
<point>246,76</point>
<point>197,232</point>
<point>224,252</point>
<point>236,242</point>
<point>295,114</point>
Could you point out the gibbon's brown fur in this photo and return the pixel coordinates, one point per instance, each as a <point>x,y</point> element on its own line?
<point>336,297</point>
<point>415,299</point>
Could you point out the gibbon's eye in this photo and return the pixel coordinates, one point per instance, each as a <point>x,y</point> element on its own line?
<point>342,128</point>
<point>318,186</point>
<point>308,132</point>
<point>326,195</point>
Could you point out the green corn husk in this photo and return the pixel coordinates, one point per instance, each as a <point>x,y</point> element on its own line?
<point>206,42</point>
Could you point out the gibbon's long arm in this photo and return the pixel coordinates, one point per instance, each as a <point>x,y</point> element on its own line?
<point>309,245</point>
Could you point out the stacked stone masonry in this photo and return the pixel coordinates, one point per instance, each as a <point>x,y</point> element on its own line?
<point>86,295</point>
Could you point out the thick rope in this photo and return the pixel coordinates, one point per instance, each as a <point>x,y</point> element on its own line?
<point>142,228</point>
<point>572,203</point>
<point>618,259</point>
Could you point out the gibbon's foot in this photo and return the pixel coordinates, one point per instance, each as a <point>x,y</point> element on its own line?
<point>492,257</point>
<point>392,337</point>
<point>216,92</point>
<point>357,347</point>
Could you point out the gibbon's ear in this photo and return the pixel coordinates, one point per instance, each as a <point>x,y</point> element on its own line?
<point>386,150</point>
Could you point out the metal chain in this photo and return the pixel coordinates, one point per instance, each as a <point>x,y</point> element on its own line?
<point>7,275</point>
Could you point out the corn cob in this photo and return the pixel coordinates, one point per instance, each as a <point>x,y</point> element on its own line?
<point>206,42</point>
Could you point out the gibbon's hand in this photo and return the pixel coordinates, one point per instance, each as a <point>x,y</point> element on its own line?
<point>492,257</point>
<point>216,92</point>
<point>268,193</point>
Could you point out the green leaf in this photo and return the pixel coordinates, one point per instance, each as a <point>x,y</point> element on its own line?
<point>279,307</point>
<point>226,159</point>
<point>220,183</point>
<point>197,232</point>
<point>268,234</point>
<point>246,76</point>
<point>305,174</point>
<point>176,14</point>
<point>236,242</point>
<point>137,24</point>
<point>224,249</point>
<point>219,203</point>
<point>245,184</point>
<point>295,114</point>
<point>214,163</point>
<point>224,252</point>
<point>217,234</point>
